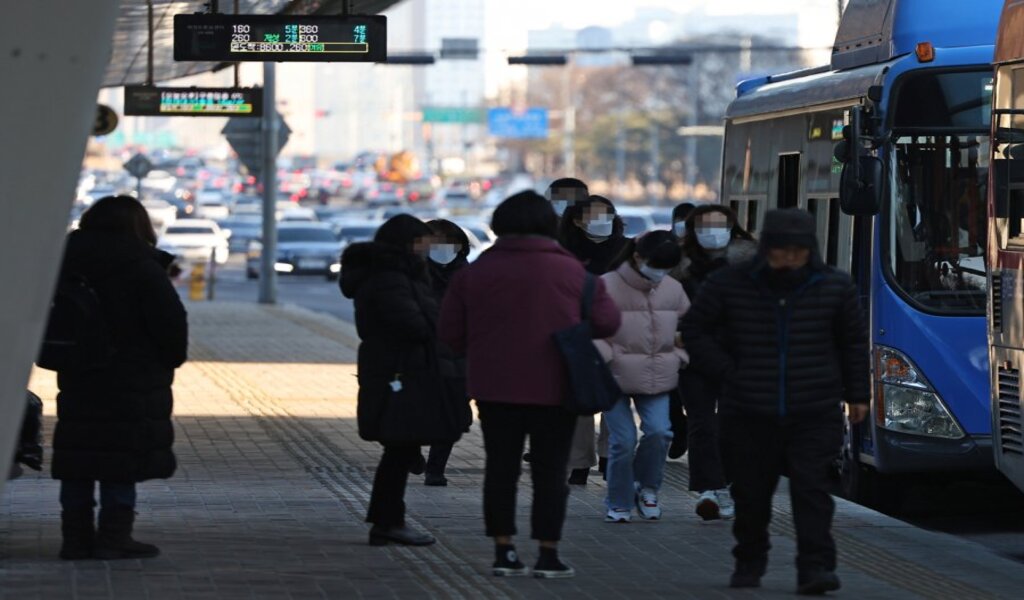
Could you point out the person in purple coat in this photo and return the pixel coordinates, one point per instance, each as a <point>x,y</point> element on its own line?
<point>502,312</point>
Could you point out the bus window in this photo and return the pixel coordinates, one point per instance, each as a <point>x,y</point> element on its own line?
<point>936,221</point>
<point>1008,165</point>
<point>751,216</point>
<point>789,180</point>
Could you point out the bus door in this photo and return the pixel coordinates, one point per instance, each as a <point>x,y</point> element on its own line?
<point>1006,301</point>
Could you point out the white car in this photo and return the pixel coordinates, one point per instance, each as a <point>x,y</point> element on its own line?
<point>162,213</point>
<point>212,209</point>
<point>637,219</point>
<point>196,240</point>
<point>159,180</point>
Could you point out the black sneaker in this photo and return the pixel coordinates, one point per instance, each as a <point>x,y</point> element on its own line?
<point>507,564</point>
<point>748,574</point>
<point>552,569</point>
<point>435,480</point>
<point>816,583</point>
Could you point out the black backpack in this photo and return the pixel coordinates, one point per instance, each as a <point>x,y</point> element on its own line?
<point>77,337</point>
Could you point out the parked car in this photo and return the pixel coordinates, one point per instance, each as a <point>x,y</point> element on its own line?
<point>302,249</point>
<point>196,240</point>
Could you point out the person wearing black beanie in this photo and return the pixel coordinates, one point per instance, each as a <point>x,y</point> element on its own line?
<point>786,335</point>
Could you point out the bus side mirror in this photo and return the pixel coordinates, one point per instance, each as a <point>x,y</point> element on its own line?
<point>860,188</point>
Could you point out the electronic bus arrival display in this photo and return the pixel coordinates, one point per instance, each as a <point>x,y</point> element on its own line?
<point>280,38</point>
<point>149,101</point>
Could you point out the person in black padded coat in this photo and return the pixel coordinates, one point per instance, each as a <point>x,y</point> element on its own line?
<point>396,315</point>
<point>114,422</point>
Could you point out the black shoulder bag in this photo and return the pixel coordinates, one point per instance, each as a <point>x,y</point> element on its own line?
<point>593,388</point>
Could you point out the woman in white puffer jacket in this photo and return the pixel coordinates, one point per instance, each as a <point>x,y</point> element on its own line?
<point>645,356</point>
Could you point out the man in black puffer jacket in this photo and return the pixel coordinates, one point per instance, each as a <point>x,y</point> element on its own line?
<point>787,336</point>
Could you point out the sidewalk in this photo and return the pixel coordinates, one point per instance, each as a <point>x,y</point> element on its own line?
<point>273,482</point>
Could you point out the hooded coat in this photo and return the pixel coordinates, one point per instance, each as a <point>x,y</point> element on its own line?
<point>795,350</point>
<point>114,423</point>
<point>642,355</point>
<point>396,318</point>
<point>694,269</point>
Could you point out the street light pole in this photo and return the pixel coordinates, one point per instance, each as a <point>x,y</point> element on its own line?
<point>268,256</point>
<point>568,141</point>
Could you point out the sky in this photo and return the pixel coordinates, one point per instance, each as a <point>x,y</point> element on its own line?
<point>511,20</point>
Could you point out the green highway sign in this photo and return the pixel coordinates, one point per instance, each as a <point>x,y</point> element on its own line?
<point>453,114</point>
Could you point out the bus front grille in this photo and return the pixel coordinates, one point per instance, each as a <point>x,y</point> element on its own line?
<point>1011,432</point>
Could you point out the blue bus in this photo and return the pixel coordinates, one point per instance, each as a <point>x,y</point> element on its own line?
<point>888,146</point>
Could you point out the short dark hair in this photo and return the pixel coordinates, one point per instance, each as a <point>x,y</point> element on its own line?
<point>660,249</point>
<point>681,211</point>
<point>525,213</point>
<point>122,215</point>
<point>568,183</point>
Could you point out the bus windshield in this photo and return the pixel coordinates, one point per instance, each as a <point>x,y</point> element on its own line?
<point>937,221</point>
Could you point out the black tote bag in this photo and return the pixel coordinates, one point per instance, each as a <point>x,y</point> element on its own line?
<point>420,407</point>
<point>592,386</point>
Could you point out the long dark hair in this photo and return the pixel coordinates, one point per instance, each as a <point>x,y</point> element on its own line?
<point>692,248</point>
<point>122,215</point>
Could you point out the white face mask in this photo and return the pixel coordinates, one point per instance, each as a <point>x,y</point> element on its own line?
<point>601,228</point>
<point>560,206</point>
<point>443,254</point>
<point>679,227</point>
<point>714,239</point>
<point>655,275</point>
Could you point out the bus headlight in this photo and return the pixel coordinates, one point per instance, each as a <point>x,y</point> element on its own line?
<point>906,402</point>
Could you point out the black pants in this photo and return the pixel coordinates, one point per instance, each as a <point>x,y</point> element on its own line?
<point>387,500</point>
<point>802,448</point>
<point>677,417</point>
<point>437,459</point>
<point>707,470</point>
<point>505,427</point>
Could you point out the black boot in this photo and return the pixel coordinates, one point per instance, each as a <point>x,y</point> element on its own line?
<point>748,573</point>
<point>404,535</point>
<point>579,476</point>
<point>114,537</point>
<point>816,583</point>
<point>418,465</point>
<point>78,528</point>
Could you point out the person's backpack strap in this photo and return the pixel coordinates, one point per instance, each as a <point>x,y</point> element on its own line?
<point>587,301</point>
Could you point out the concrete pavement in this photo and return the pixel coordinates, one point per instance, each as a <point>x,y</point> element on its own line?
<point>273,483</point>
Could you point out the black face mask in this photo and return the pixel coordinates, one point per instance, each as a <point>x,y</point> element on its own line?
<point>788,279</point>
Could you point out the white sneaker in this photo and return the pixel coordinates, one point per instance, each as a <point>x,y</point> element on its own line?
<point>707,506</point>
<point>727,508</point>
<point>618,515</point>
<point>647,504</point>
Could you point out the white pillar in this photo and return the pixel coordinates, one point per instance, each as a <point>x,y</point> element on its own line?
<point>53,54</point>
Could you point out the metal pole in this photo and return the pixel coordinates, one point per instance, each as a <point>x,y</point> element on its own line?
<point>691,142</point>
<point>268,277</point>
<point>149,42</point>
<point>620,153</point>
<point>568,143</point>
<point>138,188</point>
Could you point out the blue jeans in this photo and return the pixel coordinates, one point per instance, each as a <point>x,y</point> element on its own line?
<point>628,463</point>
<point>79,494</point>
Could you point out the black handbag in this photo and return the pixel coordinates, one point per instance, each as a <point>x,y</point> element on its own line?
<point>592,386</point>
<point>419,408</point>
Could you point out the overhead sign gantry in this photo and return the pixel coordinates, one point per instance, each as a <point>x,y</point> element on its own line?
<point>280,38</point>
